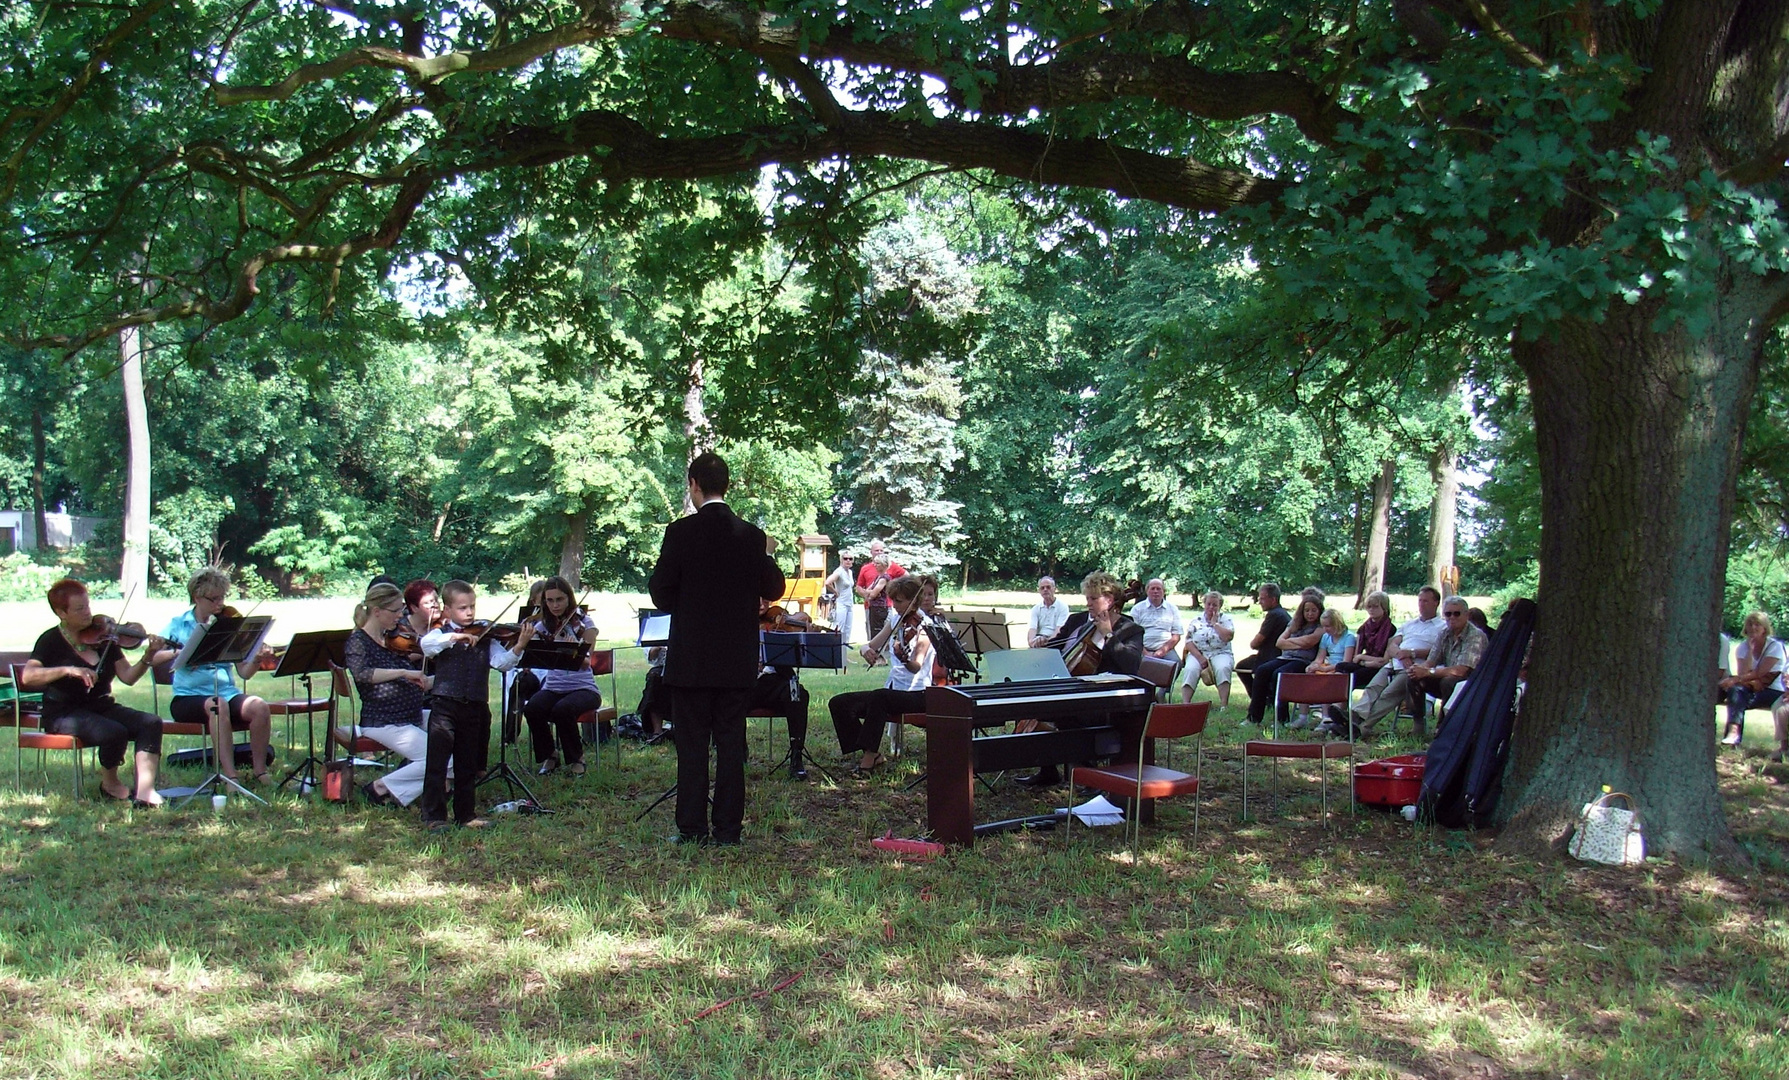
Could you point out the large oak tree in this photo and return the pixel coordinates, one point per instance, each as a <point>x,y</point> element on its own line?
<point>1597,179</point>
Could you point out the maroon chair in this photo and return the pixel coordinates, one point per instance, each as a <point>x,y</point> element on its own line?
<point>27,717</point>
<point>1135,781</point>
<point>1301,688</point>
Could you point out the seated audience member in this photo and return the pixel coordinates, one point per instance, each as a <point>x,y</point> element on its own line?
<point>75,679</point>
<point>1757,680</point>
<point>1477,617</point>
<point>1209,656</point>
<point>1159,619</point>
<point>1372,652</point>
<point>1046,617</point>
<point>1413,642</point>
<point>1274,620</point>
<point>1298,647</point>
<point>1450,663</point>
<point>1336,647</point>
<point>1779,714</point>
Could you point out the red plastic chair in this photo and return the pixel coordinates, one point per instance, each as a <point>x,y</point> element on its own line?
<point>1301,688</point>
<point>602,662</point>
<point>1135,781</point>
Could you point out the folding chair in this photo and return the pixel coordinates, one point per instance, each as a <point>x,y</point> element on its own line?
<point>27,717</point>
<point>1301,688</point>
<point>590,723</point>
<point>1136,781</point>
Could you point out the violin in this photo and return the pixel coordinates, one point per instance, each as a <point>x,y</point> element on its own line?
<point>402,638</point>
<point>105,630</point>
<point>778,619</point>
<point>502,633</point>
<point>270,657</point>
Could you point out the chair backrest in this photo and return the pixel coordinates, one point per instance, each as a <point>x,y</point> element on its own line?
<point>24,709</point>
<point>342,681</point>
<point>1307,688</point>
<point>1158,670</point>
<point>1176,721</point>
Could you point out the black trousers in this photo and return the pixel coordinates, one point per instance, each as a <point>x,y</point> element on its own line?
<point>772,695</point>
<point>859,718</point>
<point>1265,684</point>
<point>460,730</point>
<point>109,729</point>
<point>874,616</point>
<point>549,713</point>
<point>704,717</point>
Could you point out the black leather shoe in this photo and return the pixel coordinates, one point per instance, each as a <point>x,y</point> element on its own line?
<point>1040,779</point>
<point>723,841</point>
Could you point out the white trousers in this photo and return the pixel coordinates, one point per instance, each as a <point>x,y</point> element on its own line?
<point>1222,664</point>
<point>411,742</point>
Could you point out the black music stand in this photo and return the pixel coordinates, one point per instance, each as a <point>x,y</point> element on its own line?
<point>544,656</point>
<point>306,655</point>
<point>225,641</point>
<point>979,633</point>
<point>950,651</point>
<point>796,651</point>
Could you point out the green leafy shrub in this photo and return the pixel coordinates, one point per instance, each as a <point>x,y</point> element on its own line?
<point>1757,580</point>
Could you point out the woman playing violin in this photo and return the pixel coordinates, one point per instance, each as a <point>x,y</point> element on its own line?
<point>859,717</point>
<point>73,664</point>
<point>204,693</point>
<point>390,686</point>
<point>564,695</point>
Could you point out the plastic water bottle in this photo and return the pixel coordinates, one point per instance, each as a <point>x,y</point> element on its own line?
<point>507,807</point>
<point>1409,813</point>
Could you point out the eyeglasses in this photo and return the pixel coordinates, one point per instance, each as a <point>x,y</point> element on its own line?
<point>1455,614</point>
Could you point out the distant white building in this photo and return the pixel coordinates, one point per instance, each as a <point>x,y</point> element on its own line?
<point>18,529</point>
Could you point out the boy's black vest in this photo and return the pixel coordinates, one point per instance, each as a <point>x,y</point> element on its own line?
<point>463,673</point>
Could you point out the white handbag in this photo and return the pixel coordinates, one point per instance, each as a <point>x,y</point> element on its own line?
<point>1609,834</point>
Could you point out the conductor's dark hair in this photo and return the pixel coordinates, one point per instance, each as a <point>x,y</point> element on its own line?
<point>709,472</point>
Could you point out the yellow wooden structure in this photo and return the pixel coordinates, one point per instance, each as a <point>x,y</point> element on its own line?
<point>803,590</point>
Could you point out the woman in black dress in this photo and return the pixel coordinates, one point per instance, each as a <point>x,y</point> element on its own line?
<point>76,681</point>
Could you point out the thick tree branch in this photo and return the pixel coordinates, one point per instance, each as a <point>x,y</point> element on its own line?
<point>598,24</point>
<point>247,280</point>
<point>96,62</point>
<point>624,150</point>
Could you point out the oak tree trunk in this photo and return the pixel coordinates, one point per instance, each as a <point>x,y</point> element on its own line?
<point>133,574</point>
<point>1639,435</point>
<point>1379,536</point>
<point>1443,467</point>
<point>571,552</point>
<point>38,467</point>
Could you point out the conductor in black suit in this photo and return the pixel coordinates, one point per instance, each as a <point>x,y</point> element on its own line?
<point>712,570</point>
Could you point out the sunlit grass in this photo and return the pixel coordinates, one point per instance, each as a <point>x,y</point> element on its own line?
<point>308,939</point>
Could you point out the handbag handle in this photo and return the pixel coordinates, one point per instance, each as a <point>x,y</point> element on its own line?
<point>1603,800</point>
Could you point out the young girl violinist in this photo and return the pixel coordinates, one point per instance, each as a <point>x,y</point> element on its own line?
<point>564,695</point>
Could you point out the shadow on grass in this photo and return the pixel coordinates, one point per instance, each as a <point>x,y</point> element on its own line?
<point>316,940</point>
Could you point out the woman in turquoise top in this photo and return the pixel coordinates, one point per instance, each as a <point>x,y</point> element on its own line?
<point>202,693</point>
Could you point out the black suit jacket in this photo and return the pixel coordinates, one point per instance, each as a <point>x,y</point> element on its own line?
<point>1123,651</point>
<point>711,572</point>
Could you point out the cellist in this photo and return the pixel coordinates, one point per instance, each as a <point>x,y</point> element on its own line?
<point>1103,631</point>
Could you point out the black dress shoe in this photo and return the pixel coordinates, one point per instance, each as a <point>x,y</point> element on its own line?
<point>1043,778</point>
<point>723,841</point>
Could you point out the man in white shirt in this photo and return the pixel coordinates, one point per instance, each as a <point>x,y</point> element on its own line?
<point>1046,618</point>
<point>1412,644</point>
<point>1159,619</point>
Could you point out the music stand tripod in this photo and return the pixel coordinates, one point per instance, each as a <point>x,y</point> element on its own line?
<point>796,651</point>
<point>225,641</point>
<point>306,655</point>
<point>539,656</point>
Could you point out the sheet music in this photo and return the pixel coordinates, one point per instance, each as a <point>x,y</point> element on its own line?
<point>656,630</point>
<point>245,641</point>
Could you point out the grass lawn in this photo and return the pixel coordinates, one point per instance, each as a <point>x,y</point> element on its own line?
<point>307,939</point>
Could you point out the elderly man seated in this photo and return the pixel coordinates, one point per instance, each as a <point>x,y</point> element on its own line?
<point>1412,643</point>
<point>1159,619</point>
<point>1451,661</point>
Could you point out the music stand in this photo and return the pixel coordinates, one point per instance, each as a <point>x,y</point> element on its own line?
<point>225,641</point>
<point>305,655</point>
<point>542,656</point>
<point>950,651</point>
<point>795,651</point>
<point>979,633</point>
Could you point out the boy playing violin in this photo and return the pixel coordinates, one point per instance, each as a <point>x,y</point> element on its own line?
<point>458,705</point>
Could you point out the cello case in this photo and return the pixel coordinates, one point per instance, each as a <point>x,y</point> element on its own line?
<point>1463,775</point>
